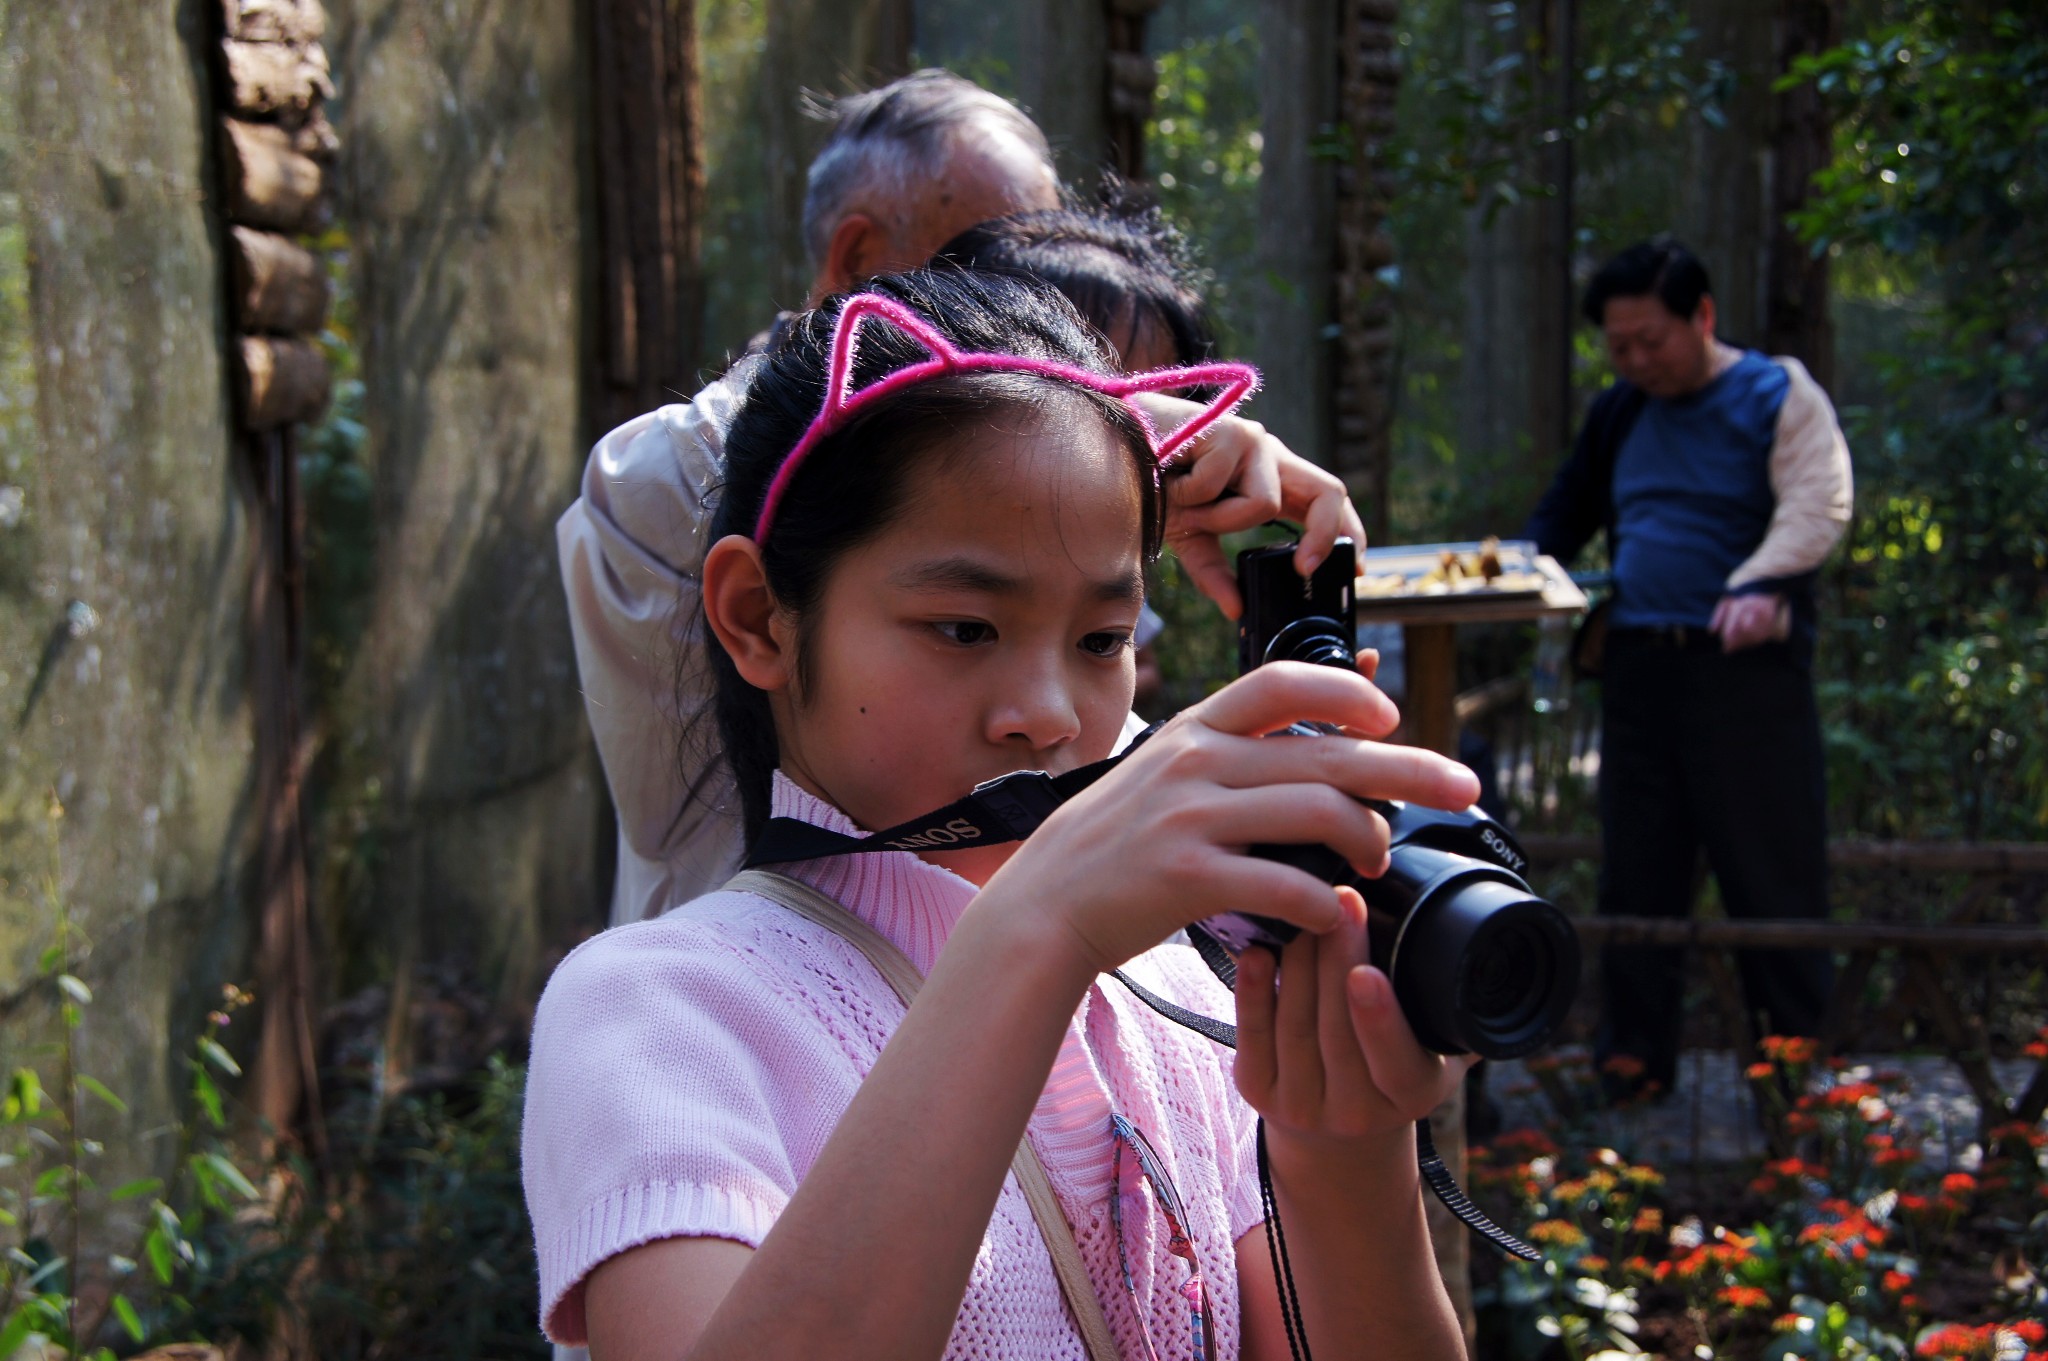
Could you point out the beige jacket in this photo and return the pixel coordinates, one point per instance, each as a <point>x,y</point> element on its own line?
<point>1811,478</point>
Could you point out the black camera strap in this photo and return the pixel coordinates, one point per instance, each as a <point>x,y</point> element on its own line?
<point>1008,808</point>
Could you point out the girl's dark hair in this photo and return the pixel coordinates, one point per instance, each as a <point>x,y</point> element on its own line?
<point>858,480</point>
<point>1125,271</point>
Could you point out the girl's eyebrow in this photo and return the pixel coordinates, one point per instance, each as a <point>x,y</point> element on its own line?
<point>966,574</point>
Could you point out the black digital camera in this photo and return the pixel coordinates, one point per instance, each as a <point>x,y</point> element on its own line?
<point>1479,963</point>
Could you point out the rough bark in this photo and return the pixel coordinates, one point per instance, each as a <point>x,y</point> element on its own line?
<point>277,286</point>
<point>1062,67</point>
<point>1292,293</point>
<point>1131,82</point>
<point>649,167</point>
<point>1796,318</point>
<point>1368,82</point>
<point>267,182</point>
<point>280,381</point>
<point>276,80</point>
<point>300,22</point>
<point>1723,214</point>
<point>1515,412</point>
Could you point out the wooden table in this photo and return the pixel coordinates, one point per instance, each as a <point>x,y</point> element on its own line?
<point>1429,630</point>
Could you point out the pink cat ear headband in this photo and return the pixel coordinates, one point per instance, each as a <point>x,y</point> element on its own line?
<point>1238,381</point>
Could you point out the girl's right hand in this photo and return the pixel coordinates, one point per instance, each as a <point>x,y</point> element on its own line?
<point>1160,842</point>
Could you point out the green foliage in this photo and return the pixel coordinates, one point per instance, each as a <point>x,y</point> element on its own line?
<point>1934,678</point>
<point>418,1245</point>
<point>58,1281</point>
<point>1204,149</point>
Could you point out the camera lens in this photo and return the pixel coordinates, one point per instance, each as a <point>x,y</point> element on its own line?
<point>1483,966</point>
<point>1313,639</point>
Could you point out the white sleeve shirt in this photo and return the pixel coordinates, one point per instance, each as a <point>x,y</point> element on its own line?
<point>632,549</point>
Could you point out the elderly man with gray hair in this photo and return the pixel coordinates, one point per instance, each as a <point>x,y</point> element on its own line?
<point>906,168</point>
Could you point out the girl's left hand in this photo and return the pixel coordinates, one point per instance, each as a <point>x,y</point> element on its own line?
<point>1328,1054</point>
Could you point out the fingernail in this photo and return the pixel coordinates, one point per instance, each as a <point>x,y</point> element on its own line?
<point>1310,561</point>
<point>1363,990</point>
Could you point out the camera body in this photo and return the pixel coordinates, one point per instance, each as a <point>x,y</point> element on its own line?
<point>1479,963</point>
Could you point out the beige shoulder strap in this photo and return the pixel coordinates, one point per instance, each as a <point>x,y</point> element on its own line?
<point>896,968</point>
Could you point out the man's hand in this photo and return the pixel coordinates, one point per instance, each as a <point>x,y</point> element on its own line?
<point>1236,476</point>
<point>1747,620</point>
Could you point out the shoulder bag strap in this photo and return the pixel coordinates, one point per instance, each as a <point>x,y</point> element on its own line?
<point>897,970</point>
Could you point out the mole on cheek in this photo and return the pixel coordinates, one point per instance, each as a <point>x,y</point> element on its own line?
<point>863,708</point>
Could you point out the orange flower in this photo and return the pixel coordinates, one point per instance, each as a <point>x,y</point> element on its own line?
<point>1958,1184</point>
<point>1790,1048</point>
<point>1638,1266</point>
<point>1897,1282</point>
<point>1624,1066</point>
<point>1759,1072</point>
<point>1744,1297</point>
<point>1557,1233</point>
<point>1592,1263</point>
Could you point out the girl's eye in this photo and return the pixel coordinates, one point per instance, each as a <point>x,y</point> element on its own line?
<point>1105,644</point>
<point>966,632</point>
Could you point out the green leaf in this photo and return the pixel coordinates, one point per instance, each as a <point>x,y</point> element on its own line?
<point>100,1090</point>
<point>130,1321</point>
<point>208,1097</point>
<point>27,1089</point>
<point>52,959</point>
<point>162,1261</point>
<point>231,1174</point>
<point>74,987</point>
<point>15,1331</point>
<point>211,1050</point>
<point>147,1186</point>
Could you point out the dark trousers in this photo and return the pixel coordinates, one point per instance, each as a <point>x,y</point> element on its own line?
<point>1721,752</point>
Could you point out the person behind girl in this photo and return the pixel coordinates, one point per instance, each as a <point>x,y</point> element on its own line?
<point>738,1143</point>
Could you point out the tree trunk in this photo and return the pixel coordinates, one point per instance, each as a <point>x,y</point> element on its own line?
<point>649,167</point>
<point>1515,412</point>
<point>1293,286</point>
<point>1063,75</point>
<point>1132,80</point>
<point>1796,319</point>
<point>1723,214</point>
<point>1368,82</point>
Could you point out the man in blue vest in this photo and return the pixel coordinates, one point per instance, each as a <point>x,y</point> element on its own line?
<point>1722,482</point>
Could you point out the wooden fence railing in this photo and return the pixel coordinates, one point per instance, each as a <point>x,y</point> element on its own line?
<point>1920,948</point>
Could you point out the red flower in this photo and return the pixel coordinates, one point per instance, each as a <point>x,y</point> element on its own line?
<point>1958,1184</point>
<point>1744,1297</point>
<point>1759,1072</point>
<point>1897,1282</point>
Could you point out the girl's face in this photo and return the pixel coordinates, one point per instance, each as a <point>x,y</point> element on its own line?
<point>986,630</point>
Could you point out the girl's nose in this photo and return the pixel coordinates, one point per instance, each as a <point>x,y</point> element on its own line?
<point>1036,708</point>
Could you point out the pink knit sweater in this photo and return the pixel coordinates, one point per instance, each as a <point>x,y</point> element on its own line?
<point>687,1070</point>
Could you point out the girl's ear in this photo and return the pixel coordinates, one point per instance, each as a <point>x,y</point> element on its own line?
<point>741,611</point>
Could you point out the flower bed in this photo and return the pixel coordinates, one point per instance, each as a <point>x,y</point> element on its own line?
<point>1858,1242</point>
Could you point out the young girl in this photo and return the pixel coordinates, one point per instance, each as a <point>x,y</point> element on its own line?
<point>739,1143</point>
